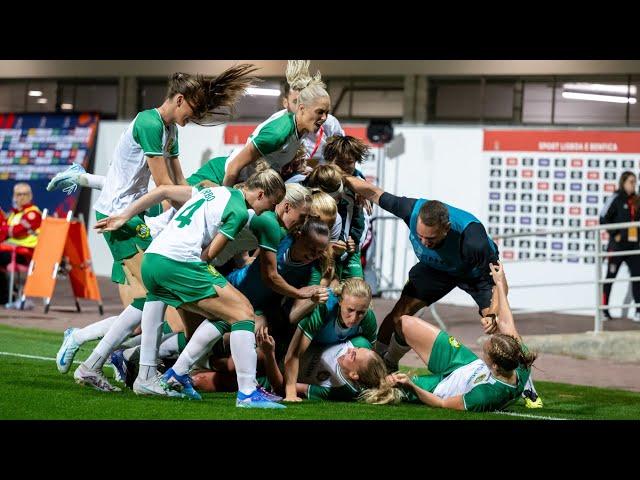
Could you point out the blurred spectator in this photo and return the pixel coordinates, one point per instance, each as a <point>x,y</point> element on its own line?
<point>622,207</point>
<point>19,229</point>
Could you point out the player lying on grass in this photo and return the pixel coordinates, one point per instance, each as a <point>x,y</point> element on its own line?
<point>338,372</point>
<point>459,379</point>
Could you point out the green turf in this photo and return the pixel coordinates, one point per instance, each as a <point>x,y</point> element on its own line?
<point>33,389</point>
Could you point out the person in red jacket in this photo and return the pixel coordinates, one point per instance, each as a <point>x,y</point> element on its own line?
<point>20,228</point>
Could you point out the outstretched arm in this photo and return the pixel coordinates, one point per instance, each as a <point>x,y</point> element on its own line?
<point>178,194</point>
<point>364,189</point>
<point>428,398</point>
<point>275,281</point>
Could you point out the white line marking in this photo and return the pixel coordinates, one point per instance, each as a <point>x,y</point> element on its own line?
<point>34,357</point>
<point>514,414</point>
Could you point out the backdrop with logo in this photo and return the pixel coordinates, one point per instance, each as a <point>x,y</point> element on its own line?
<point>34,147</point>
<point>554,179</point>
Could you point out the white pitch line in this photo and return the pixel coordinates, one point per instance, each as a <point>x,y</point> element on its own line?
<point>34,357</point>
<point>514,414</point>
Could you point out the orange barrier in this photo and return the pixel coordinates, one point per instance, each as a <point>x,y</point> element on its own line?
<point>58,237</point>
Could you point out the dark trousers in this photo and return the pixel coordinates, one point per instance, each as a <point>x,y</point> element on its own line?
<point>5,259</point>
<point>613,265</point>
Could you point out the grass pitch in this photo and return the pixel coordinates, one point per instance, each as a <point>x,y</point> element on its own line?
<point>32,388</point>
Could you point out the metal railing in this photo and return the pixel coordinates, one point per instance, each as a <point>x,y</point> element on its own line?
<point>597,255</point>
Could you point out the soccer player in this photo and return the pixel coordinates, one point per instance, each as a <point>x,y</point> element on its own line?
<point>349,317</point>
<point>176,273</point>
<point>459,379</point>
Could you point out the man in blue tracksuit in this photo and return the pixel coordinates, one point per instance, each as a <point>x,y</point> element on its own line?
<point>453,249</point>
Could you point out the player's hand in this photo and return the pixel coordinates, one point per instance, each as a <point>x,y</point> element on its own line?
<point>292,399</point>
<point>351,245</point>
<point>497,272</point>
<point>264,341</point>
<point>110,224</point>
<point>489,324</point>
<point>618,237</point>
<point>308,292</point>
<point>398,379</point>
<point>366,204</point>
<point>339,247</point>
<point>321,295</point>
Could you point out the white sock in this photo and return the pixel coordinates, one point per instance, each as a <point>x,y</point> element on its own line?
<point>381,348</point>
<point>124,325</point>
<point>94,331</point>
<point>131,354</point>
<point>91,181</point>
<point>152,317</point>
<point>131,342</point>
<point>396,350</point>
<point>243,352</point>
<point>529,385</point>
<point>168,346</point>
<point>200,343</point>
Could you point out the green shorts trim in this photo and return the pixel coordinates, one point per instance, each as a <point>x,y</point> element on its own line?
<point>448,354</point>
<point>182,341</point>
<point>125,243</point>
<point>176,283</point>
<point>166,328</point>
<point>154,210</point>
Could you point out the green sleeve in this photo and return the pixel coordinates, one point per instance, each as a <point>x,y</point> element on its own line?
<point>147,132</point>
<point>316,275</point>
<point>344,393</point>
<point>213,171</point>
<point>311,324</point>
<point>175,151</point>
<point>267,230</point>
<point>483,398</point>
<point>234,216</point>
<point>274,134</point>
<point>369,326</point>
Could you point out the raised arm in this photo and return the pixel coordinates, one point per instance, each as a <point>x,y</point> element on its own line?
<point>506,325</point>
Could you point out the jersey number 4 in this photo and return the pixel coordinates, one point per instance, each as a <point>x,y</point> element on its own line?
<point>185,217</point>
